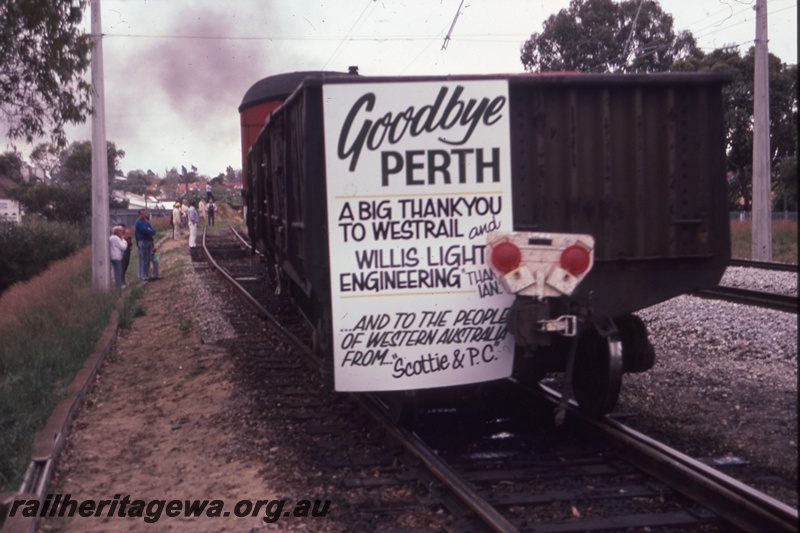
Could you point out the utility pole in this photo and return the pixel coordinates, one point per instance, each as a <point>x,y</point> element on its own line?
<point>453,25</point>
<point>762,216</point>
<point>101,272</point>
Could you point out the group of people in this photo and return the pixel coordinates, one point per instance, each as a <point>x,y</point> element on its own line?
<point>120,244</point>
<point>185,213</point>
<point>120,241</point>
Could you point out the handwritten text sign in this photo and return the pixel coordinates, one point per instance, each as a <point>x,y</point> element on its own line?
<point>417,174</point>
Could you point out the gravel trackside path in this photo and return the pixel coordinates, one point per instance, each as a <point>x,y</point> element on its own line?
<point>154,426</point>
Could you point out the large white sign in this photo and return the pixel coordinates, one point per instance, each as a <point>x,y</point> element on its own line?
<point>417,174</point>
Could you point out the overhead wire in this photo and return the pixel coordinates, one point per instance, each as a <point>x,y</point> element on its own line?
<point>362,19</point>
<point>350,32</point>
<point>425,48</point>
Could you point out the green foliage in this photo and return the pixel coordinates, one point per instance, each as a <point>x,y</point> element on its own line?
<point>738,97</point>
<point>54,202</point>
<point>116,203</point>
<point>44,57</point>
<point>76,163</point>
<point>58,203</point>
<point>786,184</point>
<point>46,156</point>
<point>607,36</point>
<point>11,166</point>
<point>48,326</point>
<point>633,36</point>
<point>130,307</point>
<point>68,197</point>
<point>136,182</point>
<point>29,248</point>
<point>187,177</point>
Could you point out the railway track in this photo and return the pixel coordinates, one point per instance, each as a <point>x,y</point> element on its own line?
<point>784,267</point>
<point>769,300</point>
<point>493,465</point>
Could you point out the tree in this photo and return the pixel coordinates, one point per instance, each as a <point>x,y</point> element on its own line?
<point>605,36</point>
<point>54,202</point>
<point>230,175</point>
<point>68,198</point>
<point>11,166</point>
<point>170,183</point>
<point>47,156</point>
<point>738,97</point>
<point>137,182</point>
<point>188,177</point>
<point>43,58</point>
<point>76,163</point>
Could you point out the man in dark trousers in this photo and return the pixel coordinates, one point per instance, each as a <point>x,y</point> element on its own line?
<point>211,209</point>
<point>145,232</point>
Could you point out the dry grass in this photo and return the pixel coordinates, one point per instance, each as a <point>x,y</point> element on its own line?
<point>784,240</point>
<point>47,287</point>
<point>49,325</point>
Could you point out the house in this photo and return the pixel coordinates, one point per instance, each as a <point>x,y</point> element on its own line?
<point>10,210</point>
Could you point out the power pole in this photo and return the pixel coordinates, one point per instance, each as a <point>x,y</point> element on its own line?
<point>453,25</point>
<point>762,216</point>
<point>101,272</point>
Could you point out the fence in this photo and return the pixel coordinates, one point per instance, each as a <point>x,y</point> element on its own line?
<point>776,215</point>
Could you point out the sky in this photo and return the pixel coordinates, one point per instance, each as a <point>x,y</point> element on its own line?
<point>176,70</point>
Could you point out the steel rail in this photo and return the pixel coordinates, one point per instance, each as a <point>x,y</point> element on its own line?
<point>769,300</point>
<point>785,267</point>
<point>729,498</point>
<point>243,241</point>
<point>248,298</point>
<point>737,503</point>
<point>370,403</point>
<point>439,468</point>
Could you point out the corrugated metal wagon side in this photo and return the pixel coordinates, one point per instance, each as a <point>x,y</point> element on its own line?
<point>618,196</point>
<point>637,162</point>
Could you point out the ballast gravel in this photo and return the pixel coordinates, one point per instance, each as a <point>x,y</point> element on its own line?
<point>775,281</point>
<point>724,384</point>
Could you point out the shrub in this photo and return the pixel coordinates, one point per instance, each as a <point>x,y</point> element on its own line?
<point>49,325</point>
<point>29,248</point>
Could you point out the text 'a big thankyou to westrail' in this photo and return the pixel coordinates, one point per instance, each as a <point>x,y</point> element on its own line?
<point>417,173</point>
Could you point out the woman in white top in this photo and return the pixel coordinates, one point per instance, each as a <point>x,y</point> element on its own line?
<point>117,245</point>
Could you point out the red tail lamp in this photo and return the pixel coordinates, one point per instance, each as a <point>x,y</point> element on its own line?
<point>575,259</point>
<point>506,256</point>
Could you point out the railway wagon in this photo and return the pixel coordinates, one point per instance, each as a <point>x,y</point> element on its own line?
<point>445,231</point>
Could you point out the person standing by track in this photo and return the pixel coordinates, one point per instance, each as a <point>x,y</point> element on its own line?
<point>145,233</point>
<point>126,255</point>
<point>117,247</point>
<point>176,221</point>
<point>184,211</point>
<point>211,209</point>
<point>193,219</point>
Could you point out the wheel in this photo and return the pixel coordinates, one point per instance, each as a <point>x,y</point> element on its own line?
<point>638,354</point>
<point>598,372</point>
